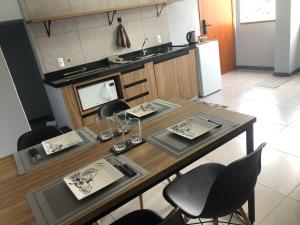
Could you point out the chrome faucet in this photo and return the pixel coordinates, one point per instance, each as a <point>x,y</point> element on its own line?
<point>144,43</point>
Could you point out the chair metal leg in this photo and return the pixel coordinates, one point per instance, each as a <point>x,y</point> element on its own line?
<point>186,219</point>
<point>245,217</point>
<point>141,202</point>
<point>215,221</point>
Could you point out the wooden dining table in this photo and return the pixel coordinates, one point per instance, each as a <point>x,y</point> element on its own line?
<point>14,208</point>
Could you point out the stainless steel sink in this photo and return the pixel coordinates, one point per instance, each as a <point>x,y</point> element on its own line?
<point>146,56</point>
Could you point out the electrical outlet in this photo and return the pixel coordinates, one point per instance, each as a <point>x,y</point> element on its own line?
<point>158,39</point>
<point>60,62</point>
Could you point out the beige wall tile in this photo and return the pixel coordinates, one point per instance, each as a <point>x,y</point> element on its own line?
<point>85,22</point>
<point>65,45</point>
<point>136,35</point>
<point>97,43</point>
<point>128,15</point>
<point>90,38</point>
<point>156,25</point>
<point>150,11</point>
<point>57,27</point>
<point>40,59</point>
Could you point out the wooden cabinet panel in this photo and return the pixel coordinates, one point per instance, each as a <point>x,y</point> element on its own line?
<point>177,77</point>
<point>90,120</point>
<point>186,75</point>
<point>165,80</point>
<point>136,90</point>
<point>129,78</point>
<point>147,84</point>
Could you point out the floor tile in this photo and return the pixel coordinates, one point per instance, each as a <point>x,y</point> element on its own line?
<point>264,132</point>
<point>229,152</point>
<point>287,141</point>
<point>266,200</point>
<point>287,213</point>
<point>280,171</point>
<point>106,220</point>
<point>296,193</point>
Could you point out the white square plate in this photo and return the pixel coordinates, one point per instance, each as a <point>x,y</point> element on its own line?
<point>92,178</point>
<point>61,142</point>
<point>143,109</point>
<point>192,128</point>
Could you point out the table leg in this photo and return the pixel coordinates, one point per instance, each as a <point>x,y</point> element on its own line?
<point>250,149</point>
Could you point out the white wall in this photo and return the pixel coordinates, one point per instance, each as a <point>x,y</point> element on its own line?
<point>183,17</point>
<point>282,40</point>
<point>9,10</point>
<point>295,36</point>
<point>287,55</point>
<point>13,121</point>
<point>254,42</point>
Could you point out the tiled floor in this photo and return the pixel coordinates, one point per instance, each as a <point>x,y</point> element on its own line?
<point>278,124</point>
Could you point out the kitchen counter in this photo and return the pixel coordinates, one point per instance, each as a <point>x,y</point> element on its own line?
<point>100,68</point>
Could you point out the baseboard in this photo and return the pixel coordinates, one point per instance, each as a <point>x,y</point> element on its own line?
<point>269,68</point>
<point>255,67</point>
<point>286,74</point>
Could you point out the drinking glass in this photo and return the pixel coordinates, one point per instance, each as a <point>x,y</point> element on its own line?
<point>135,134</point>
<point>122,117</point>
<point>119,141</point>
<point>104,130</point>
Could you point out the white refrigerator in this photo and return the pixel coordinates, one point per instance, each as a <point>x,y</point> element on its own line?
<point>208,68</point>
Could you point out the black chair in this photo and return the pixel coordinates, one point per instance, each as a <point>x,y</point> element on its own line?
<point>109,108</point>
<point>36,136</point>
<point>148,217</point>
<point>213,190</point>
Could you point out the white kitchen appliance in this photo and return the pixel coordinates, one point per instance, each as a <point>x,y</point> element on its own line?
<point>95,94</point>
<point>208,68</point>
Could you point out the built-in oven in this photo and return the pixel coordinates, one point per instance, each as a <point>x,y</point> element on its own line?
<point>96,93</point>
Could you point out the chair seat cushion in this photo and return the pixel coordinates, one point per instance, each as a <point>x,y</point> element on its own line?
<point>139,217</point>
<point>190,191</point>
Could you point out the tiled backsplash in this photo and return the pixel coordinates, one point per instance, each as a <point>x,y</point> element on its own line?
<point>89,38</point>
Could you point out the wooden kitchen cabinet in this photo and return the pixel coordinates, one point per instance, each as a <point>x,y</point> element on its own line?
<point>177,77</point>
<point>139,85</point>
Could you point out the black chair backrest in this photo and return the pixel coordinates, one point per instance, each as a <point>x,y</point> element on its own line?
<point>234,185</point>
<point>36,136</point>
<point>109,108</point>
<point>174,218</point>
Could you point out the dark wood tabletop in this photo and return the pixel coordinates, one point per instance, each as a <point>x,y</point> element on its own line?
<point>14,208</point>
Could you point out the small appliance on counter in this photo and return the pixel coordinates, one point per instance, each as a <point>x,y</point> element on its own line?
<point>191,38</point>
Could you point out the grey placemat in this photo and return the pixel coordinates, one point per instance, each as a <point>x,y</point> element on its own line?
<point>55,204</point>
<point>177,145</point>
<point>26,164</point>
<point>164,107</point>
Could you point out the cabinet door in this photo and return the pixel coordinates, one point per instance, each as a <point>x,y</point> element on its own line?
<point>186,75</point>
<point>177,77</point>
<point>165,80</point>
<point>47,8</point>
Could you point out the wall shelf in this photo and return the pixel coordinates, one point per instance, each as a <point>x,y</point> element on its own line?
<point>157,3</point>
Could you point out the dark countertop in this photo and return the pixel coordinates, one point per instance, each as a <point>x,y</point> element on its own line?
<point>100,68</point>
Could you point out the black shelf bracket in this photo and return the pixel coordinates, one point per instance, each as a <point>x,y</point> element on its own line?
<point>159,11</point>
<point>111,18</point>
<point>47,25</point>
